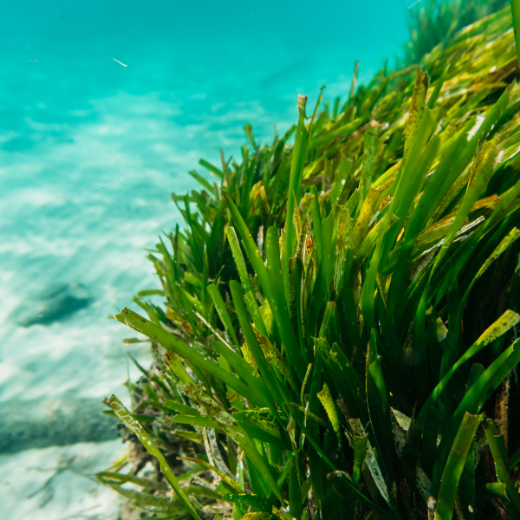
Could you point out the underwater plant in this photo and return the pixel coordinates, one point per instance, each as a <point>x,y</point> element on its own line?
<point>338,332</point>
<point>434,22</point>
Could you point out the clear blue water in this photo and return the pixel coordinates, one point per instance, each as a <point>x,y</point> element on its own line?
<point>91,147</point>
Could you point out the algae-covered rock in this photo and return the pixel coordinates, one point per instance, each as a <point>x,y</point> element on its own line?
<point>58,421</point>
<point>53,304</point>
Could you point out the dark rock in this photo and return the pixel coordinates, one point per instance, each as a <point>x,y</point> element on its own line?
<point>53,422</point>
<point>52,305</point>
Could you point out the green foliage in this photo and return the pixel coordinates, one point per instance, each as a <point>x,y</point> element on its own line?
<point>338,331</point>
<point>433,22</point>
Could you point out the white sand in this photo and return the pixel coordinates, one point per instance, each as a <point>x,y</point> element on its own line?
<point>55,483</point>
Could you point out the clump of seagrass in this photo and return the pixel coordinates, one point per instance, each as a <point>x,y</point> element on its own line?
<point>434,22</point>
<point>338,325</point>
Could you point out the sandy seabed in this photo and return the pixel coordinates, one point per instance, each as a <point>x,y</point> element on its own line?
<point>55,483</point>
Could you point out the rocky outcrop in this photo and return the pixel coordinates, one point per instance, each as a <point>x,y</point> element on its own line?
<point>53,422</point>
<point>54,304</point>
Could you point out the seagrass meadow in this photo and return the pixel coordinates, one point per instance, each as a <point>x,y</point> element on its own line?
<point>338,332</point>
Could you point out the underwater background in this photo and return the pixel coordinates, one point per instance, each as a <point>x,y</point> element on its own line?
<point>104,108</point>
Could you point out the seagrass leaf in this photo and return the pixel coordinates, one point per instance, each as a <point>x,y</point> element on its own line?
<point>215,470</point>
<point>507,321</point>
<point>134,426</point>
<point>233,429</point>
<point>455,465</point>
<point>473,401</point>
<point>498,450</point>
<point>183,350</point>
<point>328,403</point>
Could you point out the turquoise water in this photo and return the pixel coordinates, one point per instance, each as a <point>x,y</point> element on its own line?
<point>104,107</point>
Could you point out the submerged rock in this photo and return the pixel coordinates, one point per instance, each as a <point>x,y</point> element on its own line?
<point>52,305</point>
<point>53,422</point>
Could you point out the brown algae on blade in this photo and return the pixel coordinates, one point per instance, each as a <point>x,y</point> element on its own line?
<point>417,106</point>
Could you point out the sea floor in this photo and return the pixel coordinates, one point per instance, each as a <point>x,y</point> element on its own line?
<point>90,150</point>
<point>56,483</point>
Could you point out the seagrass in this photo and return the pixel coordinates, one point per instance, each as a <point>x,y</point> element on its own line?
<point>335,331</point>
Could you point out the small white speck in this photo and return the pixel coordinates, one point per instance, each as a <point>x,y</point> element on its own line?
<point>415,3</point>
<point>343,182</point>
<point>120,63</point>
<point>470,509</point>
<point>149,443</point>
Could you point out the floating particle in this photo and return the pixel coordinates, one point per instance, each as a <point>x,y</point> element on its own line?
<point>120,63</point>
